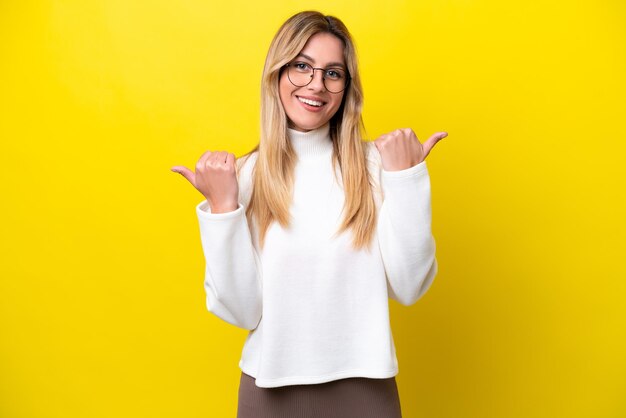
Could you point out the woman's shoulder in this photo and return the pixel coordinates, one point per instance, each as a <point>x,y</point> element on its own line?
<point>374,165</point>
<point>246,162</point>
<point>373,159</point>
<point>371,152</point>
<point>245,166</point>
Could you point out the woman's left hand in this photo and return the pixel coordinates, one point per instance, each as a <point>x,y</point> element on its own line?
<point>401,149</point>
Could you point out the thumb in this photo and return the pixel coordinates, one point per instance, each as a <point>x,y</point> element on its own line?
<point>432,141</point>
<point>186,173</point>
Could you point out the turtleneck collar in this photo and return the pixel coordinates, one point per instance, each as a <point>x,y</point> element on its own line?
<point>316,142</point>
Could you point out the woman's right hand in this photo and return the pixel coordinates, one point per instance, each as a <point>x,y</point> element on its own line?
<point>216,179</point>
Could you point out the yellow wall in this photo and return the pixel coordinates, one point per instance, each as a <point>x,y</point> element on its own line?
<point>101,301</point>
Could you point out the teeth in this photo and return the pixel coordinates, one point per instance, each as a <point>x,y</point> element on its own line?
<point>310,102</point>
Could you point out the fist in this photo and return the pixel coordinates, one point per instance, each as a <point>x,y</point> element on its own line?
<point>216,179</point>
<point>401,149</point>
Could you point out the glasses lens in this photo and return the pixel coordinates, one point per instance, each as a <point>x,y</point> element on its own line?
<point>335,80</point>
<point>300,74</point>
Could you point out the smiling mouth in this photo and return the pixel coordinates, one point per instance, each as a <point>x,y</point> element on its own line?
<point>314,103</point>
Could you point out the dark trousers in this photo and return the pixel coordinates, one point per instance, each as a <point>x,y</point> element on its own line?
<point>344,398</point>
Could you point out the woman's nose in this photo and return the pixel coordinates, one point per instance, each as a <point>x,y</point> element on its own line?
<point>317,83</point>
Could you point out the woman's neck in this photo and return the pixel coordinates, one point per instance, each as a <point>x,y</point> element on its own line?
<point>312,143</point>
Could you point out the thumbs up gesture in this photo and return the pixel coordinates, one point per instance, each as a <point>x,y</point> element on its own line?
<point>401,149</point>
<point>216,179</point>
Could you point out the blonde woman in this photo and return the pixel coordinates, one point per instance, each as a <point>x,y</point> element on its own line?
<point>308,235</point>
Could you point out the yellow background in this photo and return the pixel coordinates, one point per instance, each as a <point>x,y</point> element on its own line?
<point>102,309</point>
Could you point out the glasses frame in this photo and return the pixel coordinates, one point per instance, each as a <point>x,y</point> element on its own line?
<point>290,64</point>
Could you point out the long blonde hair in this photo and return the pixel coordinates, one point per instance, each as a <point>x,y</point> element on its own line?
<point>273,173</point>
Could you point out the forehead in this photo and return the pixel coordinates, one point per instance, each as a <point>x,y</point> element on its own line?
<point>324,49</point>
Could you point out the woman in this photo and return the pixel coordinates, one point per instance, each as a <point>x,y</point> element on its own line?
<point>302,247</point>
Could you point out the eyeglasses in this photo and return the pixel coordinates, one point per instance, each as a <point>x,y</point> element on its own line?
<point>301,74</point>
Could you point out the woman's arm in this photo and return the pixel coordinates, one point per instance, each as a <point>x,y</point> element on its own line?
<point>404,228</point>
<point>232,282</point>
<point>404,233</point>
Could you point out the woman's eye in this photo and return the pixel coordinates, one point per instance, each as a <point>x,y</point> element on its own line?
<point>333,74</point>
<point>301,66</point>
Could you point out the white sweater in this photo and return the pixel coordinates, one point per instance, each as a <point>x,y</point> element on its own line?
<point>316,309</point>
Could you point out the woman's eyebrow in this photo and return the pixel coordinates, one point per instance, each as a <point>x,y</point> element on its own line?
<point>330,64</point>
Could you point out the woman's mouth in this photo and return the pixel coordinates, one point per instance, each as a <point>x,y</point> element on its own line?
<point>311,105</point>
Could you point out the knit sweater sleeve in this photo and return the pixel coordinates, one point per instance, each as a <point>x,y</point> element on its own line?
<point>404,230</point>
<point>232,284</point>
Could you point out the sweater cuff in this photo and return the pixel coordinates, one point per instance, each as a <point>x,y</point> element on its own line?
<point>407,172</point>
<point>203,209</point>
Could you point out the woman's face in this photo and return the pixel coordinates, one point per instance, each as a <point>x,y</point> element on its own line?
<point>322,50</point>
